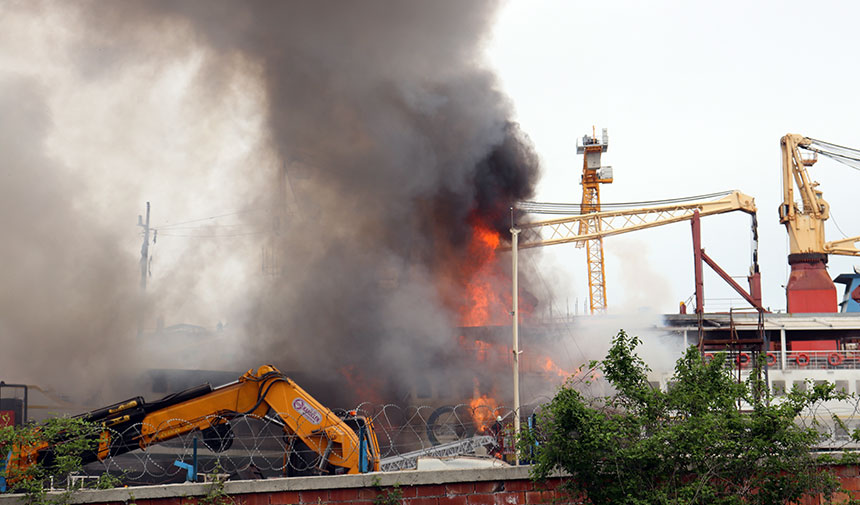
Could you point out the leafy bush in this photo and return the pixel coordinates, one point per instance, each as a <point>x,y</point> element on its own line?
<point>708,439</point>
<point>46,453</point>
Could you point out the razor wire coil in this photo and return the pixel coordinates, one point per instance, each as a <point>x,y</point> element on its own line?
<point>260,444</point>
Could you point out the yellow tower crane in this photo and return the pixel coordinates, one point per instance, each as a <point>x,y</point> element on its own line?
<point>593,175</point>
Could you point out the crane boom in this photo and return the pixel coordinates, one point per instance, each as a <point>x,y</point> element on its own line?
<point>568,229</point>
<point>844,247</point>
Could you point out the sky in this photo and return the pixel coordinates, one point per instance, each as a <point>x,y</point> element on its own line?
<point>696,96</point>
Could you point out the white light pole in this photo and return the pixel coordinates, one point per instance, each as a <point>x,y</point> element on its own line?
<point>515,312</point>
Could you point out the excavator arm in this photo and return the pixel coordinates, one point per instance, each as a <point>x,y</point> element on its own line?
<point>259,394</point>
<point>344,445</point>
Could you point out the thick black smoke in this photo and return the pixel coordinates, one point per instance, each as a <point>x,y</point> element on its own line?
<point>396,142</point>
<point>402,140</point>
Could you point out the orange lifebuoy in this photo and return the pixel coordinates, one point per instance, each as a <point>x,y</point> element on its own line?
<point>742,359</point>
<point>771,359</point>
<point>801,359</point>
<point>708,357</point>
<point>835,359</point>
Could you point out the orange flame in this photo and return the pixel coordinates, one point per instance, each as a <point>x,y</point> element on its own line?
<point>483,411</point>
<point>482,301</point>
<point>486,352</point>
<point>496,355</point>
<point>549,366</point>
<point>481,349</point>
<point>365,387</point>
<point>486,299</point>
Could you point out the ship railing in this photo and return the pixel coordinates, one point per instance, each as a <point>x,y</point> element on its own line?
<point>800,360</point>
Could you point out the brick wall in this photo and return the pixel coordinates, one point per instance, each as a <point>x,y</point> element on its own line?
<point>497,486</point>
<point>511,492</point>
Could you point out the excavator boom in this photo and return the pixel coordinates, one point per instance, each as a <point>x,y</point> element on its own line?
<point>258,393</point>
<point>343,444</point>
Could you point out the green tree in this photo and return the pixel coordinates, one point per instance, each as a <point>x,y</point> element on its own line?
<point>62,444</point>
<point>691,444</point>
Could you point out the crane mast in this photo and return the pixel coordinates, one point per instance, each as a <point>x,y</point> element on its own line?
<point>593,175</point>
<point>805,224</point>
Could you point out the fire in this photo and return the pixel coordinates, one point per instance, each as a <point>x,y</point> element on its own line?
<point>481,349</point>
<point>365,387</point>
<point>546,364</point>
<point>482,303</point>
<point>481,299</point>
<point>497,355</point>
<point>484,352</point>
<point>488,239</point>
<point>549,366</point>
<point>484,411</point>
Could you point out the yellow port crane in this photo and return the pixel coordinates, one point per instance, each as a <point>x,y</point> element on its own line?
<point>593,175</point>
<point>623,220</point>
<point>809,287</point>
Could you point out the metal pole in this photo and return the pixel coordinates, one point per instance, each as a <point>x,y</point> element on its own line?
<point>782,357</point>
<point>144,267</point>
<point>194,466</point>
<point>700,284</point>
<point>144,249</point>
<point>516,350</point>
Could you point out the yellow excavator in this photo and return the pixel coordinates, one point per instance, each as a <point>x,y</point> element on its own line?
<point>343,444</point>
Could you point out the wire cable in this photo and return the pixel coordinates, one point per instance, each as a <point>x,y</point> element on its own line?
<point>835,146</point>
<point>245,211</point>
<point>530,207</point>
<point>845,155</point>
<point>223,235</point>
<point>203,227</point>
<point>833,218</point>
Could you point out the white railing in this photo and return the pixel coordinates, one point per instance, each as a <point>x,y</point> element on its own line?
<point>800,360</point>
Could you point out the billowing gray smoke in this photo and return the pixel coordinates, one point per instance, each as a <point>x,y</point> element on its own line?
<point>68,303</point>
<point>396,143</point>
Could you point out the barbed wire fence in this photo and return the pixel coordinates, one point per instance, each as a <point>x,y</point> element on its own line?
<point>259,447</point>
<point>256,446</point>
